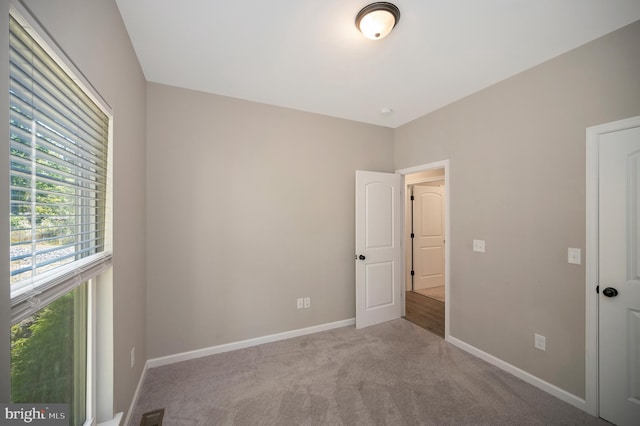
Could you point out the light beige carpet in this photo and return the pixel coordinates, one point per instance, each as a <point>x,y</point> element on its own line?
<point>394,373</point>
<point>432,292</point>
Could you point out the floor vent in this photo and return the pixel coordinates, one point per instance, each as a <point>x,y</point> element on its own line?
<point>152,418</point>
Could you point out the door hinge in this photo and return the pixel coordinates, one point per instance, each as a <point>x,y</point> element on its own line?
<point>598,289</point>
<point>413,235</point>
<point>412,198</point>
<point>413,273</point>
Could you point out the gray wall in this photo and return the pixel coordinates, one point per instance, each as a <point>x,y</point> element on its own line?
<point>93,35</point>
<point>517,152</point>
<point>249,207</point>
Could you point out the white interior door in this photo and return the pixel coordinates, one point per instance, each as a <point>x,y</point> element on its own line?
<point>619,276</point>
<point>428,242</point>
<point>378,248</point>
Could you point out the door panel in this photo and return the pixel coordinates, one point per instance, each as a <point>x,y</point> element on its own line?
<point>378,240</point>
<point>379,215</point>
<point>378,291</point>
<point>431,265</point>
<point>619,266</point>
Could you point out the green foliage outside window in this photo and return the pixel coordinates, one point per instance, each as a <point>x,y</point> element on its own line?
<point>48,355</point>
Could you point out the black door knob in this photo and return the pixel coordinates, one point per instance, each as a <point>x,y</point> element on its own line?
<point>361,257</point>
<point>610,292</point>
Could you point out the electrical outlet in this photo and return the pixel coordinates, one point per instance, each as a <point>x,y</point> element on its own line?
<point>299,303</point>
<point>133,356</point>
<point>540,342</point>
<point>307,302</point>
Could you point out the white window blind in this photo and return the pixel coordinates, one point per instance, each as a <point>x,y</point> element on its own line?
<point>59,151</point>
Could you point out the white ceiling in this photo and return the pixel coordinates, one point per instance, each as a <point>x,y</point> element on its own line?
<point>308,54</point>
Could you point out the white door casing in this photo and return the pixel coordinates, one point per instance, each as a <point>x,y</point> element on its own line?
<point>378,247</point>
<point>428,242</point>
<point>619,272</point>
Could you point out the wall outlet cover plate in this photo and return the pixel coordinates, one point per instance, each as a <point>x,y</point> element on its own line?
<point>573,256</point>
<point>478,245</point>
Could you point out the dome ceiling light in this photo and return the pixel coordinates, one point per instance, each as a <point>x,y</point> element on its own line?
<point>376,20</point>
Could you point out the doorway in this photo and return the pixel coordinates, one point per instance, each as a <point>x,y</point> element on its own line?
<point>425,247</point>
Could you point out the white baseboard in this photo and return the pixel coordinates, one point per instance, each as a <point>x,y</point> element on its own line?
<point>521,374</point>
<point>199,353</point>
<point>136,394</point>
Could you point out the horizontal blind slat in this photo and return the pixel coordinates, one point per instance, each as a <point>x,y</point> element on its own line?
<point>53,79</point>
<point>61,131</point>
<point>25,301</point>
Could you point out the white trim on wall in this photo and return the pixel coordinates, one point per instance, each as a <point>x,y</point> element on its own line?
<point>444,164</point>
<point>136,395</point>
<point>199,353</point>
<point>521,374</point>
<point>591,258</point>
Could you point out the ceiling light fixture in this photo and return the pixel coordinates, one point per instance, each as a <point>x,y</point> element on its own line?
<point>376,20</point>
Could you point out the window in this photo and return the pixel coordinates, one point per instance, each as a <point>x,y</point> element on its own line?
<point>59,222</point>
<point>51,345</point>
